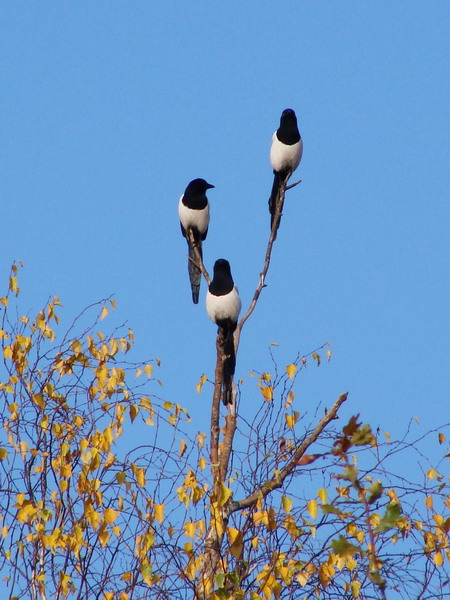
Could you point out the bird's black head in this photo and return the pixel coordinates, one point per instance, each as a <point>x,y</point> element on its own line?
<point>222,282</point>
<point>198,186</point>
<point>222,267</point>
<point>288,115</point>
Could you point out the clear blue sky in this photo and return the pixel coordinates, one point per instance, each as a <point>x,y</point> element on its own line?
<point>108,110</point>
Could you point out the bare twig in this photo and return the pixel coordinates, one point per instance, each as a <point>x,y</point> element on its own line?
<point>198,257</point>
<point>293,185</point>
<point>215,410</point>
<point>262,276</point>
<point>276,482</point>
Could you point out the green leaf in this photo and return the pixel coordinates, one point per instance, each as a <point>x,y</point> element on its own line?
<point>350,473</point>
<point>390,518</point>
<point>343,547</point>
<point>329,508</point>
<point>362,436</point>
<point>375,492</point>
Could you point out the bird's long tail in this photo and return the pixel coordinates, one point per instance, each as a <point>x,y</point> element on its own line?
<point>229,366</point>
<point>273,197</point>
<point>282,176</point>
<point>194,272</point>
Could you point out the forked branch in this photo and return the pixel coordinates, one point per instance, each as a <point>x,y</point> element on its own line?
<point>277,481</point>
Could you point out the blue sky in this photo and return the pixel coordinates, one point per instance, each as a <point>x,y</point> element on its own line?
<point>109,109</point>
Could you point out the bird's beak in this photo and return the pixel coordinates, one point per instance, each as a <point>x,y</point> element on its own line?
<point>210,186</point>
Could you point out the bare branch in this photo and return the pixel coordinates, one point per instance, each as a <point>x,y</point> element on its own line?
<point>262,276</point>
<point>277,481</point>
<point>215,409</point>
<point>199,261</point>
<point>293,185</point>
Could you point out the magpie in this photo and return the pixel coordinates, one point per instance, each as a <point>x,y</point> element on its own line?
<point>285,154</point>
<point>193,210</point>
<point>223,306</point>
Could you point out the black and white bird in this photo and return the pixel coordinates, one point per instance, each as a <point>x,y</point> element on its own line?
<point>223,306</point>
<point>193,210</point>
<point>285,154</point>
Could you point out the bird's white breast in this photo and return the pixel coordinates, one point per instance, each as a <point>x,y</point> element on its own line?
<point>190,218</point>
<point>283,156</point>
<point>224,307</point>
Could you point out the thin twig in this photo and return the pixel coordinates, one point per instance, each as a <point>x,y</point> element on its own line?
<point>289,187</point>
<point>262,276</point>
<point>198,262</point>
<point>276,482</point>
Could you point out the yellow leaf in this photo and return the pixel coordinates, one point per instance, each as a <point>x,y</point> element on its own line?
<point>201,440</point>
<point>322,494</point>
<point>3,453</point>
<point>438,559</point>
<point>4,531</point>
<point>429,502</point>
<point>202,463</point>
<point>326,572</point>
<point>148,370</point>
<point>203,380</point>
<point>355,587</point>
<point>441,438</point>
<point>439,520</point>
<point>291,420</point>
<point>235,538</point>
<point>167,405</point>
<point>39,401</point>
<point>110,516</point>
<point>287,504</point>
<point>134,410</point>
<point>66,471</point>
<point>328,355</point>
<point>267,392</point>
<point>4,300</point>
<point>159,512</point>
<point>146,404</point>
<point>76,346</point>
<point>188,548</point>
<point>311,507</point>
<point>13,285</point>
<point>290,399</point>
<point>139,474</point>
<point>225,494</point>
<point>189,529</point>
<point>291,371</point>
<point>104,312</point>
<point>27,510</point>
<point>431,473</point>
<point>183,447</point>
<point>23,449</point>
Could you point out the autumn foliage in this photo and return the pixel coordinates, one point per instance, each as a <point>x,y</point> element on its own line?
<point>307,507</point>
